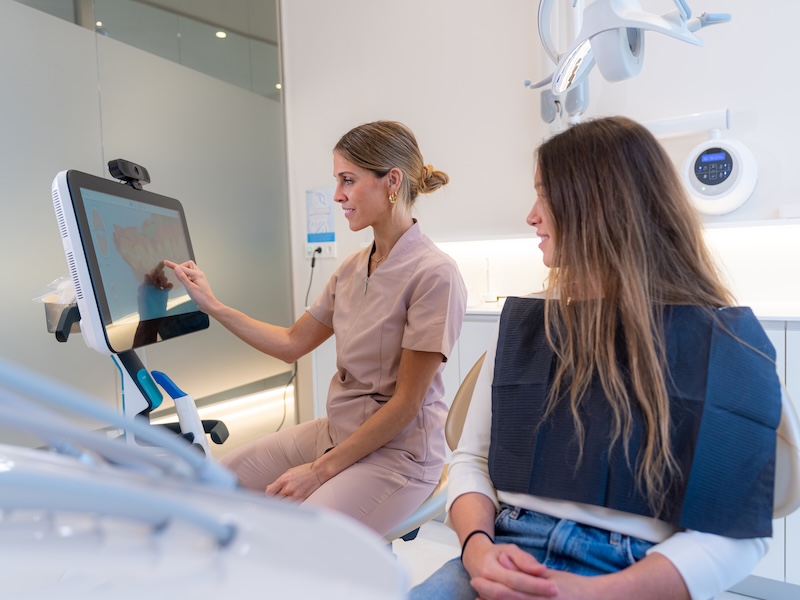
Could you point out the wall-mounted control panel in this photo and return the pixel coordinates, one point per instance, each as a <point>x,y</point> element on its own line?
<point>720,175</point>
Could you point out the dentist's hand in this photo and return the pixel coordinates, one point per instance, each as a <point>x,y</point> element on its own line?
<point>196,284</point>
<point>298,483</point>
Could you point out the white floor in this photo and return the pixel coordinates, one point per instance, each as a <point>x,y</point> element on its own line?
<point>436,544</point>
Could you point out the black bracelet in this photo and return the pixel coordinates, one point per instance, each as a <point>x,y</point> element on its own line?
<point>469,536</point>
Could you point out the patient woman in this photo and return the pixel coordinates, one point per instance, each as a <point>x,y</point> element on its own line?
<point>396,308</point>
<point>621,439</point>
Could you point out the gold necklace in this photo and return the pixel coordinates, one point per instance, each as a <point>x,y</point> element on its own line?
<point>370,270</point>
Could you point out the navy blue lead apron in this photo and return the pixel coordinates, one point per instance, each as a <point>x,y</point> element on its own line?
<point>725,403</point>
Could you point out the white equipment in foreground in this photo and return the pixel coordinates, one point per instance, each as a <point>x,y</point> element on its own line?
<point>95,519</point>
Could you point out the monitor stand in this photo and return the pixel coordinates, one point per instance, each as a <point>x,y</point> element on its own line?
<point>141,395</point>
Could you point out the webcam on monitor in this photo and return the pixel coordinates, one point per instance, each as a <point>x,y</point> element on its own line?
<point>129,172</point>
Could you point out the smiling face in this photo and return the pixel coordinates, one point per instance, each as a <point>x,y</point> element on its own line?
<point>541,219</point>
<point>363,195</point>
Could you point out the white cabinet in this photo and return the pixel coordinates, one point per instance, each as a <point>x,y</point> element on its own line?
<point>476,334</point>
<point>778,574</point>
<point>793,388</point>
<point>773,565</point>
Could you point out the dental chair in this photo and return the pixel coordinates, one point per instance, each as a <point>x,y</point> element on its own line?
<point>434,505</point>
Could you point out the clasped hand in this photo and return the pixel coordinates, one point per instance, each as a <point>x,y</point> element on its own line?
<point>506,572</point>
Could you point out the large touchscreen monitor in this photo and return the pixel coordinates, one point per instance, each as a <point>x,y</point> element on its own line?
<point>115,238</point>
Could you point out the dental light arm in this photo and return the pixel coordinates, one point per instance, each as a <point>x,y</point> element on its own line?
<point>612,36</point>
<point>707,19</point>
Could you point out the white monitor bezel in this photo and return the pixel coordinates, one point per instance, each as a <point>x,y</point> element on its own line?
<point>84,272</point>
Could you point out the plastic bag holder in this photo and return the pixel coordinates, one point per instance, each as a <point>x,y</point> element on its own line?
<point>69,316</point>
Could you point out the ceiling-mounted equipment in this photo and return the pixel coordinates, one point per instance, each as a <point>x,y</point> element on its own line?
<point>612,36</point>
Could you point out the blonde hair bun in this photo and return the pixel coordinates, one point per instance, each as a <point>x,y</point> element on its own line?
<point>431,179</point>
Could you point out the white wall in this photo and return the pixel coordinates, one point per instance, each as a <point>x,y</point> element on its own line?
<point>453,70</point>
<point>74,100</point>
<point>746,65</point>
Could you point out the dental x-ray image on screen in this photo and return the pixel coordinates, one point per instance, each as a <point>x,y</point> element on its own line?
<point>115,239</point>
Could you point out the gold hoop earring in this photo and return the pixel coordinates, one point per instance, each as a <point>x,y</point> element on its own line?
<point>392,197</point>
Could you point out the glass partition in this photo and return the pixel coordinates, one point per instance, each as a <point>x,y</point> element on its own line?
<point>77,98</point>
<point>232,40</point>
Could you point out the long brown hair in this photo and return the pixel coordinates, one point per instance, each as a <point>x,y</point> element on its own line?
<point>627,242</point>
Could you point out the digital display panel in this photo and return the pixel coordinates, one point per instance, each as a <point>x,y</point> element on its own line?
<point>712,157</point>
<point>126,234</point>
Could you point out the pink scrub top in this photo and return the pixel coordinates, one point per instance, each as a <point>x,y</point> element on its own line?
<point>416,300</point>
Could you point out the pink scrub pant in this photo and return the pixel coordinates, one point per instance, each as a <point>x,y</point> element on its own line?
<point>375,495</point>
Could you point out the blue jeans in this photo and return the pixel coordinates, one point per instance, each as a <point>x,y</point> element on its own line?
<point>556,543</point>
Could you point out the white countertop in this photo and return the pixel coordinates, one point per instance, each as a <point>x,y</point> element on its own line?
<point>765,311</point>
<point>486,308</point>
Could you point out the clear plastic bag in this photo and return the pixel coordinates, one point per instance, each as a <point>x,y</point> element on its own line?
<point>57,296</point>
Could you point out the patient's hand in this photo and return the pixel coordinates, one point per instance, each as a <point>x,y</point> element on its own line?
<point>652,578</point>
<point>550,583</point>
<point>506,571</point>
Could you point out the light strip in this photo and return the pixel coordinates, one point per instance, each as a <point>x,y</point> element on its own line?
<point>242,407</point>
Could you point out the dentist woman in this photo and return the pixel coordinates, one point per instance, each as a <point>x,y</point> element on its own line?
<point>396,308</point>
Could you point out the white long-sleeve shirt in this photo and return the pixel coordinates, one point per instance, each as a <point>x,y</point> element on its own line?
<point>708,563</point>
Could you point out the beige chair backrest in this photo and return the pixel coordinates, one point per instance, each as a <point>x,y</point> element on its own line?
<point>787,461</point>
<point>458,409</point>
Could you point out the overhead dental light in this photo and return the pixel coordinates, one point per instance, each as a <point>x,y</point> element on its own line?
<point>612,37</point>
